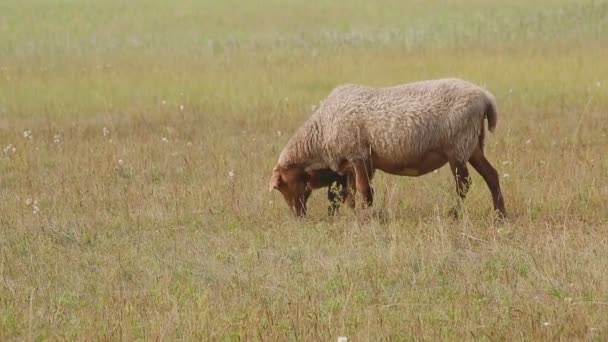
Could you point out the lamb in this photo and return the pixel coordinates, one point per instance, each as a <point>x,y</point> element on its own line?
<point>409,129</point>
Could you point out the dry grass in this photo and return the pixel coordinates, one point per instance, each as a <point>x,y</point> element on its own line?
<point>119,218</point>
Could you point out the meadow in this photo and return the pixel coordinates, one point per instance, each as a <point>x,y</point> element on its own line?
<point>137,139</point>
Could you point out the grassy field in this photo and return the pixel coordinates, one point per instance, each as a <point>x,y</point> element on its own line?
<point>137,140</point>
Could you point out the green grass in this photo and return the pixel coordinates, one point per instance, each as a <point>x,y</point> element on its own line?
<point>140,232</point>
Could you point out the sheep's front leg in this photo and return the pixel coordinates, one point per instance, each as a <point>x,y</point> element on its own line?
<point>350,191</point>
<point>362,182</point>
<point>463,183</point>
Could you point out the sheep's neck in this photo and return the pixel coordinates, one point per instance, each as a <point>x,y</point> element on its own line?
<point>304,146</point>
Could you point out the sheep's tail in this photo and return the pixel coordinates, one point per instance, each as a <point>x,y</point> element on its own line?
<point>490,112</point>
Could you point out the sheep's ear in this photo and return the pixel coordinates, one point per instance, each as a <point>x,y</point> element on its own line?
<point>275,180</point>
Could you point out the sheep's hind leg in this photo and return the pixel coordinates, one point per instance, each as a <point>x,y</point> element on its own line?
<point>490,176</point>
<point>463,183</point>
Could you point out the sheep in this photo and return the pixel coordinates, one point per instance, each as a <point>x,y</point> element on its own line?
<point>410,130</point>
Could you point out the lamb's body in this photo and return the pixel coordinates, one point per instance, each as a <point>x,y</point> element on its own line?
<point>409,130</point>
<point>428,122</point>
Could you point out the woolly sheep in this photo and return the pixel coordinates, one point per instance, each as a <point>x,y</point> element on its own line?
<point>410,130</point>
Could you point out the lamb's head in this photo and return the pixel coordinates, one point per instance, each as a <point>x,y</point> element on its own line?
<point>293,182</point>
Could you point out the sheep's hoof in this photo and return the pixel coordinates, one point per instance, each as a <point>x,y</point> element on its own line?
<point>381,215</point>
<point>350,202</point>
<point>363,219</point>
<point>501,216</point>
<point>364,215</point>
<point>455,213</point>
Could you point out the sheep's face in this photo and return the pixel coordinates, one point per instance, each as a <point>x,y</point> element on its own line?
<point>293,184</point>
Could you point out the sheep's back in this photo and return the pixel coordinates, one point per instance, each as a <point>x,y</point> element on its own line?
<point>401,122</point>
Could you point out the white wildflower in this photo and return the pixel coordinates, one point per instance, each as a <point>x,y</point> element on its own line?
<point>188,144</point>
<point>9,149</point>
<point>181,108</point>
<point>279,133</point>
<point>231,174</point>
<point>57,138</point>
<point>528,141</point>
<point>105,131</point>
<point>164,139</point>
<point>506,162</point>
<point>121,162</point>
<point>34,204</point>
<point>342,339</point>
<point>27,134</point>
<point>546,324</point>
<point>506,175</point>
<point>35,208</point>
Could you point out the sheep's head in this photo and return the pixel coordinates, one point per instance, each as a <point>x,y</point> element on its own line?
<point>293,183</point>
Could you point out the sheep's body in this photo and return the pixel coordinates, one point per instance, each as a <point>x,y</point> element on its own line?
<point>409,129</point>
<point>403,123</point>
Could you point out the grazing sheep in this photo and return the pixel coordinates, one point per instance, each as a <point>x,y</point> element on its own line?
<point>410,130</point>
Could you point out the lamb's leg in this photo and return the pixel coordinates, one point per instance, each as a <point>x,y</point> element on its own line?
<point>489,174</point>
<point>463,183</point>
